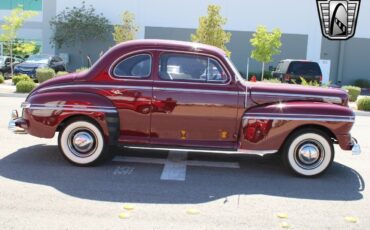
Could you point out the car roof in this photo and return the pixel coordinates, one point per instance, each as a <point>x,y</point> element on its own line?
<point>292,60</point>
<point>170,44</point>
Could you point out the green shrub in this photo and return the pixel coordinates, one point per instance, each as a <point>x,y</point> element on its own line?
<point>82,69</point>
<point>19,78</point>
<point>61,73</point>
<point>1,79</point>
<point>353,92</point>
<point>267,75</point>
<point>362,83</point>
<point>363,104</point>
<point>304,82</point>
<point>272,80</point>
<point>25,86</point>
<point>44,74</point>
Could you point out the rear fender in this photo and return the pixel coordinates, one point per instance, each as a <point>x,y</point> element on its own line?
<point>47,111</point>
<point>266,127</point>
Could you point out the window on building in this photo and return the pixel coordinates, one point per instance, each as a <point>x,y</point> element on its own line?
<point>35,5</point>
<point>138,66</point>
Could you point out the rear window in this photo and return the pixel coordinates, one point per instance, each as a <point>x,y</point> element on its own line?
<point>304,68</point>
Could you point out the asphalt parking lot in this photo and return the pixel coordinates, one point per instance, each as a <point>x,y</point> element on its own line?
<point>40,190</point>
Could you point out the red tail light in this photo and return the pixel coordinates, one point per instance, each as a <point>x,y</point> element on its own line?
<point>287,77</point>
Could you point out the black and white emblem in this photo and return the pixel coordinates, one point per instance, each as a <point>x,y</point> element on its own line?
<point>338,18</point>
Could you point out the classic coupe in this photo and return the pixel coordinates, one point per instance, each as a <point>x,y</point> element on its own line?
<point>170,95</point>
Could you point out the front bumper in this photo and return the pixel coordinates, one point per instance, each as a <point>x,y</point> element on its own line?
<point>356,148</point>
<point>16,124</point>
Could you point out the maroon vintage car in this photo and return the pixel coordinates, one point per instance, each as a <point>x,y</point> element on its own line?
<point>180,95</point>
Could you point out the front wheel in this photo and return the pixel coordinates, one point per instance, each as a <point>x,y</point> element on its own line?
<point>82,143</point>
<point>308,152</point>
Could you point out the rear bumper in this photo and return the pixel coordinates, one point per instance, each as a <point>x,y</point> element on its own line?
<point>16,124</point>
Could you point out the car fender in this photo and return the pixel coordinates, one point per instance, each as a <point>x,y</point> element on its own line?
<point>46,112</point>
<point>266,127</point>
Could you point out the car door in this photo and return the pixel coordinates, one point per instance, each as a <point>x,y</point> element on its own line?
<point>194,102</point>
<point>132,95</point>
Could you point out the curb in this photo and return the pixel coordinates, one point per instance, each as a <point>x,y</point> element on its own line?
<point>362,113</point>
<point>17,95</point>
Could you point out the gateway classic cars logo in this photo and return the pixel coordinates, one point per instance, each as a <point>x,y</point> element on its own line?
<point>338,18</point>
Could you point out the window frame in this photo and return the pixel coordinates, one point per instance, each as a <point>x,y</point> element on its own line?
<point>121,59</point>
<point>208,59</point>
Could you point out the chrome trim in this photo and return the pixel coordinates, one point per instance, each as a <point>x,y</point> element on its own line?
<point>297,114</point>
<point>351,120</point>
<point>25,105</point>
<point>73,109</point>
<point>295,95</point>
<point>74,106</point>
<point>141,87</point>
<point>96,86</point>
<point>240,151</point>
<point>196,90</point>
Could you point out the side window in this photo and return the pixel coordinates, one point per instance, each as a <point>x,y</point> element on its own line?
<point>215,72</point>
<point>138,66</point>
<point>184,67</point>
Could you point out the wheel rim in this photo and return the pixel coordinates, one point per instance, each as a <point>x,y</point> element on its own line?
<point>309,154</point>
<point>82,142</point>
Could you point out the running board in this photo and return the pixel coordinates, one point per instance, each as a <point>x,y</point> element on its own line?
<point>249,152</point>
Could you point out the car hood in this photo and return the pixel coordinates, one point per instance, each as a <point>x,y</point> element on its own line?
<point>265,93</point>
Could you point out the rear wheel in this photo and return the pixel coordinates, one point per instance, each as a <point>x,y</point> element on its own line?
<point>82,143</point>
<point>308,152</point>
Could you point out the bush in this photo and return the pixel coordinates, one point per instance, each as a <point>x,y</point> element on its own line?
<point>363,104</point>
<point>44,74</point>
<point>61,73</point>
<point>22,77</point>
<point>1,79</point>
<point>25,86</point>
<point>82,69</point>
<point>353,92</point>
<point>304,82</point>
<point>272,80</point>
<point>362,83</point>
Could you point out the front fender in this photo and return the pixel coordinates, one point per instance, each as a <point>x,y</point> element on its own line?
<point>266,127</point>
<point>46,111</point>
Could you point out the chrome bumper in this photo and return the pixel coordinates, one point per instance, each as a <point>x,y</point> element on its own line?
<point>356,148</point>
<point>14,122</point>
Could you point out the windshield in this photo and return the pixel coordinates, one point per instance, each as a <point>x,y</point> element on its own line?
<point>43,59</point>
<point>2,59</point>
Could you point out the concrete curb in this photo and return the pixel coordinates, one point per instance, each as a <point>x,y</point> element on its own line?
<point>17,95</point>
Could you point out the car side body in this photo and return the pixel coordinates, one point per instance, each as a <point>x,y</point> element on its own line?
<point>171,103</point>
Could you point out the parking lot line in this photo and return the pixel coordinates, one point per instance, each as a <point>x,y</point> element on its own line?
<point>175,166</point>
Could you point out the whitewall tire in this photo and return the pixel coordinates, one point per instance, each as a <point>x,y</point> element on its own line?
<point>82,143</point>
<point>308,153</point>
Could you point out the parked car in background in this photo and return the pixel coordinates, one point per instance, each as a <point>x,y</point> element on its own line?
<point>162,95</point>
<point>291,71</point>
<point>40,61</point>
<point>5,64</point>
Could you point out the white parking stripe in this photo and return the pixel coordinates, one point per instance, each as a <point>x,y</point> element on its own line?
<point>176,163</point>
<point>175,166</point>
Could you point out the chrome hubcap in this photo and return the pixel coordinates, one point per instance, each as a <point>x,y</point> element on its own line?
<point>82,143</point>
<point>309,154</point>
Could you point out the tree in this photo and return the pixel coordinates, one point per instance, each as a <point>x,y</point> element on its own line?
<point>210,30</point>
<point>77,25</point>
<point>127,31</point>
<point>266,45</point>
<point>22,48</point>
<point>12,24</point>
